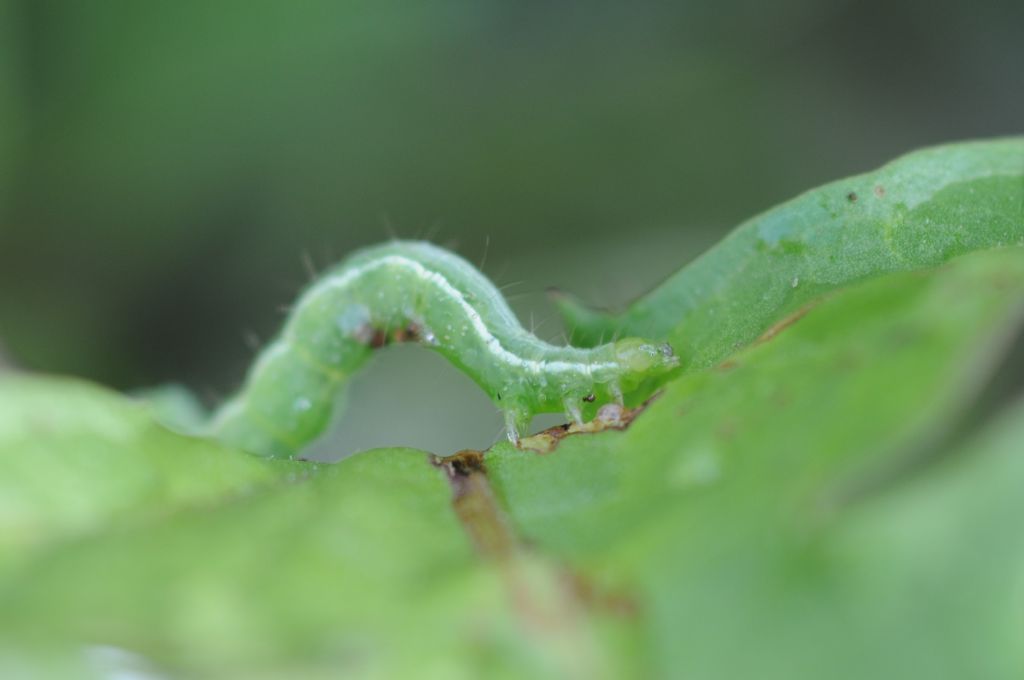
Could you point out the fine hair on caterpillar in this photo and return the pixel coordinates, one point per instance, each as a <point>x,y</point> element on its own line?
<point>413,291</point>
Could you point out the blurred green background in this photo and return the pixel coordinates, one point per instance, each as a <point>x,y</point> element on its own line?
<point>170,171</point>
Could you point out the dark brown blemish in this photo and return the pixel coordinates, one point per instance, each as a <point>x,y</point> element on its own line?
<point>378,339</point>
<point>590,398</point>
<point>462,464</point>
<point>548,439</point>
<point>852,197</point>
<point>475,504</point>
<point>381,337</point>
<point>411,333</point>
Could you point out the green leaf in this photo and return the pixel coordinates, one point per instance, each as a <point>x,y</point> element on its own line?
<point>76,458</point>
<point>362,570</point>
<point>916,212</point>
<point>726,506</point>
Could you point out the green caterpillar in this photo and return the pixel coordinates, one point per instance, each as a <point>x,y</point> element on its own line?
<point>416,292</point>
<point>918,211</point>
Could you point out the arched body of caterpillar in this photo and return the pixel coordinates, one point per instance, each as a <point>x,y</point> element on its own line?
<point>918,211</point>
<point>417,292</point>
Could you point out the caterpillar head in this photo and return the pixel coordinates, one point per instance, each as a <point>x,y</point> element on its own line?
<point>641,359</point>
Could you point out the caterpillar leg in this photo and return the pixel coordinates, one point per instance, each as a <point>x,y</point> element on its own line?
<point>517,421</point>
<point>572,410</point>
<point>616,393</point>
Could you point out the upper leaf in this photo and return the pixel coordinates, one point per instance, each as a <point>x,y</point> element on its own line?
<point>918,211</point>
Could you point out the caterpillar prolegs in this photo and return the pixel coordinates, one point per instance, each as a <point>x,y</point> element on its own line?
<point>416,292</point>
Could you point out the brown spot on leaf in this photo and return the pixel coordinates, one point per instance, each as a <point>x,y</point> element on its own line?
<point>462,464</point>
<point>475,505</point>
<point>852,197</point>
<point>609,417</point>
<point>784,324</point>
<point>615,603</point>
<point>879,190</point>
